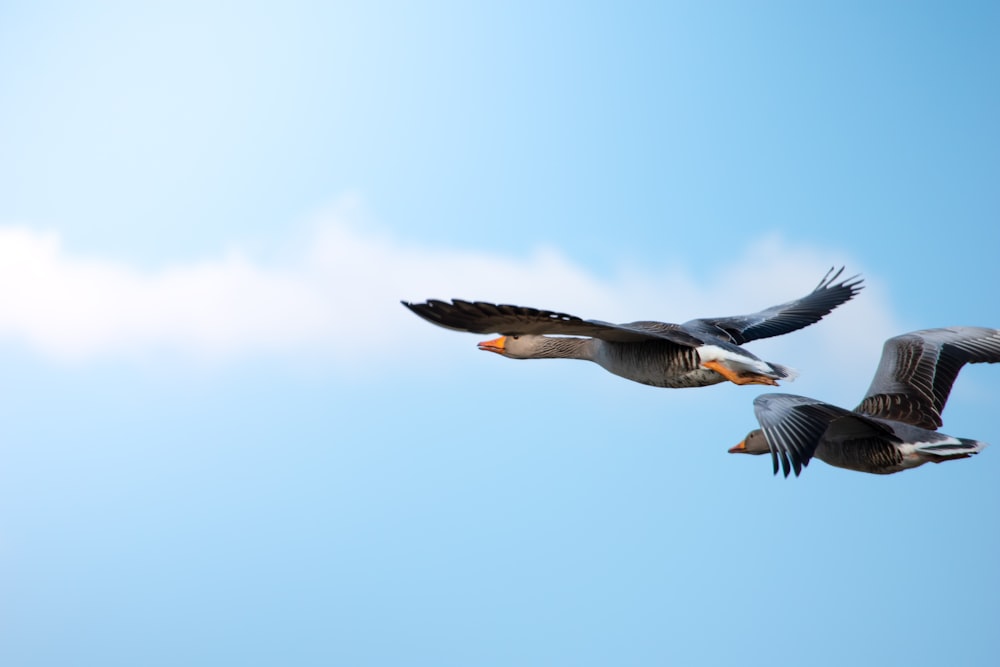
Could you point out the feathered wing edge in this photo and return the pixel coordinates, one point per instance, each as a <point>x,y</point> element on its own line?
<point>786,317</point>
<point>918,369</point>
<point>482,317</point>
<point>794,427</point>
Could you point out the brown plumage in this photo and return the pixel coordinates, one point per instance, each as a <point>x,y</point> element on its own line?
<point>893,428</point>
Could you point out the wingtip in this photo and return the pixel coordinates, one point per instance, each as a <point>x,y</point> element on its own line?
<point>828,278</point>
<point>424,309</point>
<point>414,306</point>
<point>853,283</point>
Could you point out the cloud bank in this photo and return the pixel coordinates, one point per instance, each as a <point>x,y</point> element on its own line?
<point>333,297</point>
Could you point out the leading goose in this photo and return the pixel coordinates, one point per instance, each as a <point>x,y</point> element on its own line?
<point>694,354</point>
<point>894,427</point>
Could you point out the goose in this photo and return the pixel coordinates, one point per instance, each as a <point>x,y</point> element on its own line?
<point>698,353</point>
<point>895,426</point>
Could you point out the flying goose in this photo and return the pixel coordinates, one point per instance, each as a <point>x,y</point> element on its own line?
<point>694,354</point>
<point>894,427</point>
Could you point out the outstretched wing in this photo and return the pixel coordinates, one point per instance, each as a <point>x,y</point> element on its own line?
<point>482,317</point>
<point>918,369</point>
<point>794,426</point>
<point>784,318</point>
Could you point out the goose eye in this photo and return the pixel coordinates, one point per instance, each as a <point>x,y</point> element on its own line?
<point>515,337</point>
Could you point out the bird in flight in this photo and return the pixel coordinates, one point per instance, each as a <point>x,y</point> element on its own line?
<point>895,426</point>
<point>697,353</point>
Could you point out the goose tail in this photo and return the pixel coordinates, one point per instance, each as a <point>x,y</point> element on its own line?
<point>962,449</point>
<point>783,372</point>
<point>741,367</point>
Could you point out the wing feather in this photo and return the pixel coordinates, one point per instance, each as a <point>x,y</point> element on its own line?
<point>794,426</point>
<point>918,369</point>
<point>783,318</point>
<point>483,317</point>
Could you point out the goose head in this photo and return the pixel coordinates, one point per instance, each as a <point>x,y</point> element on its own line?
<point>523,346</point>
<point>535,346</point>
<point>755,443</point>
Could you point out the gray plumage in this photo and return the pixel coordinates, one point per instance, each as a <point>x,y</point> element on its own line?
<point>917,370</point>
<point>697,353</point>
<point>893,428</point>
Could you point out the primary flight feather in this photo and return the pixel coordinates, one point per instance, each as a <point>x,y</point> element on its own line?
<point>894,427</point>
<point>698,353</point>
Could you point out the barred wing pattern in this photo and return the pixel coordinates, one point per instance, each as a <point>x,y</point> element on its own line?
<point>795,425</point>
<point>917,371</point>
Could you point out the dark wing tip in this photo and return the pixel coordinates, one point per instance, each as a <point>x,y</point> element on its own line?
<point>829,278</point>
<point>485,317</point>
<point>793,426</point>
<point>442,313</point>
<point>797,464</point>
<point>785,466</point>
<point>853,283</point>
<point>416,307</point>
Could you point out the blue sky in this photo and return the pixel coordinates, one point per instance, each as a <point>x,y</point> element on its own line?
<point>222,440</point>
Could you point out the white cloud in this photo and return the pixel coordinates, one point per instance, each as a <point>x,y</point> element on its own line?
<point>75,308</point>
<point>335,298</point>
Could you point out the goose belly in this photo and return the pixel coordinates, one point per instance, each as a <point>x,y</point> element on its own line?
<point>658,365</point>
<point>872,455</point>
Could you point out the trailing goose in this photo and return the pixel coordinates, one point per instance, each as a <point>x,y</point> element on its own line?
<point>694,354</point>
<point>894,427</point>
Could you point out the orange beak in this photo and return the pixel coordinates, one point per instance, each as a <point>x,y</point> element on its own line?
<point>495,345</point>
<point>739,448</point>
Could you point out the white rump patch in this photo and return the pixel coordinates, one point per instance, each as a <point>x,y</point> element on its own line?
<point>733,360</point>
